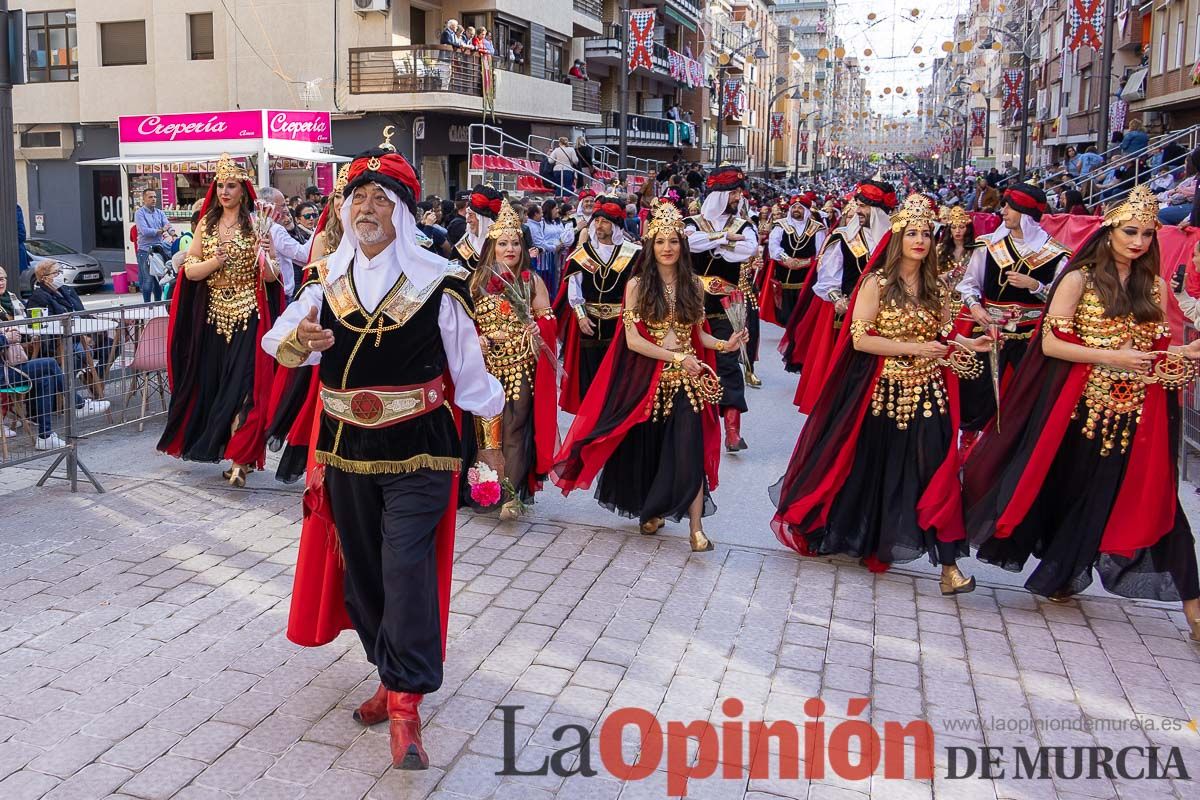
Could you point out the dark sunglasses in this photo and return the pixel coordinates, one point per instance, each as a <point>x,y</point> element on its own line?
<point>309,216</point>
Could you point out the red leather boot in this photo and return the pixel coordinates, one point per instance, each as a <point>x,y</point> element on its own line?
<point>373,711</point>
<point>408,752</point>
<point>733,431</point>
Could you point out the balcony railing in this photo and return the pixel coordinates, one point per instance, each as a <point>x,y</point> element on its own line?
<point>418,68</point>
<point>645,130</point>
<point>593,8</point>
<point>733,153</point>
<point>585,96</point>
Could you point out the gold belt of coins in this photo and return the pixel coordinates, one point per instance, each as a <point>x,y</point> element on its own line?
<point>907,387</point>
<point>511,361</point>
<point>701,390</point>
<point>231,303</point>
<point>603,310</point>
<point>1113,401</point>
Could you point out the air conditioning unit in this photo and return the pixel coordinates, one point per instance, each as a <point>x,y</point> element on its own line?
<point>366,6</point>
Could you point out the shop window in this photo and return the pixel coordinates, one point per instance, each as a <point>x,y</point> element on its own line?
<point>200,37</point>
<point>122,43</point>
<point>52,42</point>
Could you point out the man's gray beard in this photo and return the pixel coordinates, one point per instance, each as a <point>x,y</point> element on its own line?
<point>375,236</point>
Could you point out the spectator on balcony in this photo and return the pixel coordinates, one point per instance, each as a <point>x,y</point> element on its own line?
<point>1072,162</point>
<point>516,51</point>
<point>450,37</point>
<point>673,113</point>
<point>579,70</point>
<point>564,161</point>
<point>1135,140</point>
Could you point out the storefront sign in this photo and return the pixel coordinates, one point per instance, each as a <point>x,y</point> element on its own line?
<point>460,134</point>
<point>300,126</point>
<point>192,127</point>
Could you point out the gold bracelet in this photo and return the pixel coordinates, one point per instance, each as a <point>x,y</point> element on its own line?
<point>1061,324</point>
<point>488,432</point>
<point>291,353</point>
<point>678,358</point>
<point>580,314</point>
<point>722,346</point>
<point>860,328</point>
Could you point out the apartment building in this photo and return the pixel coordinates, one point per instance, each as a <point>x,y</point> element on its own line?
<point>1164,86</point>
<point>810,24</point>
<point>368,63</point>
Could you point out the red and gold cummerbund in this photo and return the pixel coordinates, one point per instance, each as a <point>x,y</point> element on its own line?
<point>382,406</point>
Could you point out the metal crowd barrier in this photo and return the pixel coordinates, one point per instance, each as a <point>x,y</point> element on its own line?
<point>82,374</point>
<point>1190,433</point>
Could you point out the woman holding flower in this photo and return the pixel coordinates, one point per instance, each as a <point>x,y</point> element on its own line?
<point>516,330</point>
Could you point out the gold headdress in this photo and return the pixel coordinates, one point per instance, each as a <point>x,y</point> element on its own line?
<point>343,177</point>
<point>507,221</point>
<point>915,211</point>
<point>1140,206</point>
<point>230,170</point>
<point>664,217</point>
<point>958,216</point>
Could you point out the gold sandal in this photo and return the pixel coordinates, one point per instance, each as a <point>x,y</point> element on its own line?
<point>653,525</point>
<point>509,512</point>
<point>236,475</point>
<point>700,543</point>
<point>955,582</point>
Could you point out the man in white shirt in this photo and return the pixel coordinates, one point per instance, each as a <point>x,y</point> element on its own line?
<point>291,254</point>
<point>388,325</point>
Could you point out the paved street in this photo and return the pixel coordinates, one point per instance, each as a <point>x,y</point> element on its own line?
<point>142,652</point>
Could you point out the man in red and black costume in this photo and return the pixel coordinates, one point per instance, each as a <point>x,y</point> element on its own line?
<point>589,300</point>
<point>389,327</point>
<point>720,241</point>
<point>847,251</point>
<point>792,247</point>
<point>482,207</point>
<point>1005,289</point>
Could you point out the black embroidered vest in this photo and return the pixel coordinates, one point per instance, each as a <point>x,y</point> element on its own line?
<point>710,264</point>
<point>1002,257</point>
<point>798,243</point>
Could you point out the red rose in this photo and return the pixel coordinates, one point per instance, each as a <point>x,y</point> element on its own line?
<point>495,285</point>
<point>525,276</point>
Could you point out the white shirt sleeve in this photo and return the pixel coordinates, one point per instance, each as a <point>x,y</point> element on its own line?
<point>775,243</point>
<point>474,389</point>
<point>290,252</point>
<point>575,289</point>
<point>829,273</point>
<point>820,239</point>
<point>698,241</point>
<point>971,284</point>
<point>743,250</point>
<point>312,297</point>
<point>1190,307</point>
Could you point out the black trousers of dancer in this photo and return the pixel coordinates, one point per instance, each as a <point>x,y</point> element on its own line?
<point>978,395</point>
<point>387,525</point>
<point>729,367</point>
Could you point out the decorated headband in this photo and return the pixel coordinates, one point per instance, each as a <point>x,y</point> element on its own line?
<point>1141,206</point>
<point>343,177</point>
<point>507,221</point>
<point>664,218</point>
<point>958,216</point>
<point>915,211</point>
<point>230,170</point>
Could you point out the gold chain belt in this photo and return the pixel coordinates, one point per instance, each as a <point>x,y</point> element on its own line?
<point>603,310</point>
<point>791,286</point>
<point>382,406</point>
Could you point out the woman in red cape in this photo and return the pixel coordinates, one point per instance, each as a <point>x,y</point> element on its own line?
<point>517,332</point>
<point>1083,473</point>
<point>648,425</point>
<point>875,471</point>
<point>228,297</point>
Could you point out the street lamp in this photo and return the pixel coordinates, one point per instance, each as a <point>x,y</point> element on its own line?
<point>1026,57</point>
<point>724,62</point>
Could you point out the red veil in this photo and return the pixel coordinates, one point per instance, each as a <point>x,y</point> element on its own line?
<point>825,451</point>
<point>189,304</point>
<point>1007,469</point>
<point>621,396</point>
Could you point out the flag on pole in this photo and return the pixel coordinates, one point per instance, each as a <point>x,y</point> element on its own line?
<point>732,105</point>
<point>1085,20</point>
<point>977,117</point>
<point>776,124</point>
<point>641,35</point>
<point>1012,89</point>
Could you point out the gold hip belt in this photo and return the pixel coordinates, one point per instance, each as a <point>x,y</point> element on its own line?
<point>603,310</point>
<point>382,406</point>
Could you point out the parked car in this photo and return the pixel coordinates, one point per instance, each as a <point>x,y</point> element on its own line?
<point>81,272</point>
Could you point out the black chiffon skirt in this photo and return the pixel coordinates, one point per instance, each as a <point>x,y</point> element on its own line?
<point>224,392</point>
<point>658,468</point>
<point>874,514</point>
<point>293,460</point>
<point>1064,526</point>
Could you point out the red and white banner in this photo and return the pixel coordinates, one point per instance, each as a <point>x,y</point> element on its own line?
<point>977,118</point>
<point>1118,110</point>
<point>732,102</point>
<point>641,37</point>
<point>803,141</point>
<point>1012,89</point>
<point>776,124</point>
<point>1085,21</point>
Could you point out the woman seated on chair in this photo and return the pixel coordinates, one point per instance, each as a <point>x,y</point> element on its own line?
<point>51,293</point>
<point>42,378</point>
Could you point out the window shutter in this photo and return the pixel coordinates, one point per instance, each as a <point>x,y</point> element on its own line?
<point>200,30</point>
<point>122,43</point>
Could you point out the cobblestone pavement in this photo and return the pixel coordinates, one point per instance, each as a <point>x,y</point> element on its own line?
<point>142,655</point>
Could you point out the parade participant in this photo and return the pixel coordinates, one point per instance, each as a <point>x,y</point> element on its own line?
<point>957,237</point>
<point>517,331</point>
<point>482,207</point>
<point>294,391</point>
<point>720,241</point>
<point>648,426</point>
<point>1005,287</point>
<point>1082,472</point>
<point>588,304</point>
<point>228,295</point>
<point>583,216</point>
<point>792,247</point>
<point>875,471</point>
<point>842,261</point>
<point>389,327</point>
